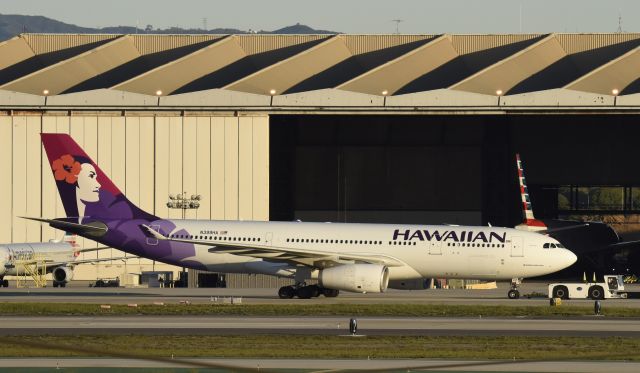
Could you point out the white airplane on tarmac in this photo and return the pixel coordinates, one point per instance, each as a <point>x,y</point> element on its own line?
<point>58,256</point>
<point>341,256</point>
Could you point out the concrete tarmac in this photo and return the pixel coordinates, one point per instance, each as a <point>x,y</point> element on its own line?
<point>212,325</point>
<point>83,294</point>
<point>318,365</point>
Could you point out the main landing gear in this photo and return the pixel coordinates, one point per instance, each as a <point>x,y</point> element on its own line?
<point>4,283</point>
<point>514,293</point>
<point>303,291</point>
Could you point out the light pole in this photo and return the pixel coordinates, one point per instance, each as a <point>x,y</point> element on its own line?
<point>180,201</point>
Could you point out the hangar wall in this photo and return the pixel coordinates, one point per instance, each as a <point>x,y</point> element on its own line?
<point>148,156</point>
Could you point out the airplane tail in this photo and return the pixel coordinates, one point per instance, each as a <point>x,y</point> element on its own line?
<point>84,189</point>
<point>529,222</point>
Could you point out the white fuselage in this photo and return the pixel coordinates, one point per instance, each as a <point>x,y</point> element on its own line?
<point>11,254</point>
<point>426,251</point>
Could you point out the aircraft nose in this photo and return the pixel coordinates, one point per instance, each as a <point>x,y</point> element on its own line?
<point>568,258</point>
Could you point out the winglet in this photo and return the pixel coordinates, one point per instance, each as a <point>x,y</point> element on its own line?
<point>152,233</point>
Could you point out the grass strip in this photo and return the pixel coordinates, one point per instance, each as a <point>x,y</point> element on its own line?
<point>404,310</point>
<point>316,346</point>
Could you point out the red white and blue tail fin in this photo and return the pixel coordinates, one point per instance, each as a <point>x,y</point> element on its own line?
<point>529,222</point>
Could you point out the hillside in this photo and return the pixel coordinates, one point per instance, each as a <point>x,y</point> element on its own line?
<point>12,25</point>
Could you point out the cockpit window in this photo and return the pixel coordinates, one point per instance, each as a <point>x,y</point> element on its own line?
<point>560,246</point>
<point>546,246</point>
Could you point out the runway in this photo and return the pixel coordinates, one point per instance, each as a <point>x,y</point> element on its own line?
<point>77,293</point>
<point>210,325</point>
<point>318,365</point>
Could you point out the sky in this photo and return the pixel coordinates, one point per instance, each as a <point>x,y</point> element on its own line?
<point>348,16</point>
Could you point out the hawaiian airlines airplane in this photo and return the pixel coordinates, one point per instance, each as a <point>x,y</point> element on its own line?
<point>59,257</point>
<point>341,256</point>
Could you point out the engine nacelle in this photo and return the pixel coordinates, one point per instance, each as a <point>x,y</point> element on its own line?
<point>357,278</point>
<point>62,274</point>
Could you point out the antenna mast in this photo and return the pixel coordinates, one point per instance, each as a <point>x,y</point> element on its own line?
<point>619,23</point>
<point>397,21</point>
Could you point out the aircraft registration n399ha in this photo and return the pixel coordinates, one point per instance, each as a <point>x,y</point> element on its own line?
<point>341,256</point>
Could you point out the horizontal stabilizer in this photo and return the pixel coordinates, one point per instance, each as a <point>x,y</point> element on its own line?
<point>560,229</point>
<point>93,249</point>
<point>95,228</point>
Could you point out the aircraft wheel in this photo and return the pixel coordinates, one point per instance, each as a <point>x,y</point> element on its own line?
<point>286,292</point>
<point>315,290</point>
<point>513,294</point>
<point>306,292</point>
<point>5,283</point>
<point>561,292</point>
<point>596,293</point>
<point>330,293</point>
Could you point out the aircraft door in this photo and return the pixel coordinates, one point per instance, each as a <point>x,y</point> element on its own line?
<point>517,246</point>
<point>435,247</point>
<point>268,239</point>
<point>152,240</point>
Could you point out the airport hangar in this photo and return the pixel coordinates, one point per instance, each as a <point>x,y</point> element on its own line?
<point>358,128</point>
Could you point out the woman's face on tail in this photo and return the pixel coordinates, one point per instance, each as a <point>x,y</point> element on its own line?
<point>88,185</point>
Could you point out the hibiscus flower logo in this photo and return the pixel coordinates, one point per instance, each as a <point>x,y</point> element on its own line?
<point>66,168</point>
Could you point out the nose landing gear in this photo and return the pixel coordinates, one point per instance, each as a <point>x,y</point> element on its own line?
<point>514,293</point>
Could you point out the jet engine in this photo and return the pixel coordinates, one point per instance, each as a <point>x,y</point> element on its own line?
<point>62,275</point>
<point>357,278</point>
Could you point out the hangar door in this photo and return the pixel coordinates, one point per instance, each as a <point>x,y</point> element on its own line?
<point>373,169</point>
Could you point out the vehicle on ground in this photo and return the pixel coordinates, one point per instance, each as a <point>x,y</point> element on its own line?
<point>612,287</point>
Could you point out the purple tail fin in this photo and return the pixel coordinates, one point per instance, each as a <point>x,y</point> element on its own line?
<point>84,189</point>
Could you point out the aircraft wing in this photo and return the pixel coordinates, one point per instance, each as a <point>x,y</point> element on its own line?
<point>311,258</point>
<point>624,244</point>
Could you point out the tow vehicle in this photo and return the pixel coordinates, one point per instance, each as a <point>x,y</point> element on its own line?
<point>612,287</point>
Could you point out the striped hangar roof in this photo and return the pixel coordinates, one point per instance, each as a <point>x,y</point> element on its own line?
<point>321,71</point>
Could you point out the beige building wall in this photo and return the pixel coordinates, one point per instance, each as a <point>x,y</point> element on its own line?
<point>148,156</point>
